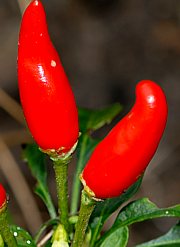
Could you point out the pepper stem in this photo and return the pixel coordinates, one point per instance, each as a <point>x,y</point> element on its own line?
<point>5,230</point>
<point>61,172</point>
<point>86,209</point>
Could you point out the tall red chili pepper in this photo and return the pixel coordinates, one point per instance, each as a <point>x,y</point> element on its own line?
<point>125,152</point>
<point>2,196</point>
<point>46,96</point>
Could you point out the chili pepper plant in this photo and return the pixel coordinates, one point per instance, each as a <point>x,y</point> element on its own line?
<point>108,172</point>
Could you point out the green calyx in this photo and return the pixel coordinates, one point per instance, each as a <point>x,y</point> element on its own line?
<point>87,199</point>
<point>88,191</point>
<point>59,154</point>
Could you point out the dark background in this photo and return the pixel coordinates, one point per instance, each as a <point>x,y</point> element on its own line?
<point>106,47</point>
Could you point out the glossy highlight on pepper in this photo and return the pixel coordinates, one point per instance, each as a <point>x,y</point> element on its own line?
<point>46,96</point>
<point>123,155</point>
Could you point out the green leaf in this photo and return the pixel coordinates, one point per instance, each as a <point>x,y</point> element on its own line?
<point>170,239</point>
<point>1,241</point>
<point>95,119</point>
<point>118,238</point>
<point>23,238</point>
<point>36,162</point>
<point>104,209</point>
<point>85,147</point>
<point>141,210</point>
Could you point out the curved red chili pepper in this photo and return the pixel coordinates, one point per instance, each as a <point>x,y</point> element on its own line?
<point>46,96</point>
<point>125,152</point>
<point>2,196</point>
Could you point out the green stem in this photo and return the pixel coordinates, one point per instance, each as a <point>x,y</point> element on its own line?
<point>5,230</point>
<point>86,209</point>
<point>61,172</point>
<point>76,182</point>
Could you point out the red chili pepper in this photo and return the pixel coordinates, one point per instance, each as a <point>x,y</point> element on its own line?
<point>125,152</point>
<point>46,96</point>
<point>2,196</point>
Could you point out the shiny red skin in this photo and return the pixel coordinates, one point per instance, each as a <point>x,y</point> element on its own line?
<point>46,96</point>
<point>2,196</point>
<point>123,155</point>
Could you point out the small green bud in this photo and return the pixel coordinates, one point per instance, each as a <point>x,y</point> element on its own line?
<point>60,237</point>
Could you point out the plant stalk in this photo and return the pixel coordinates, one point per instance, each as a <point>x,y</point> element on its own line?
<point>61,172</point>
<point>5,230</point>
<point>86,209</point>
<point>76,182</point>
